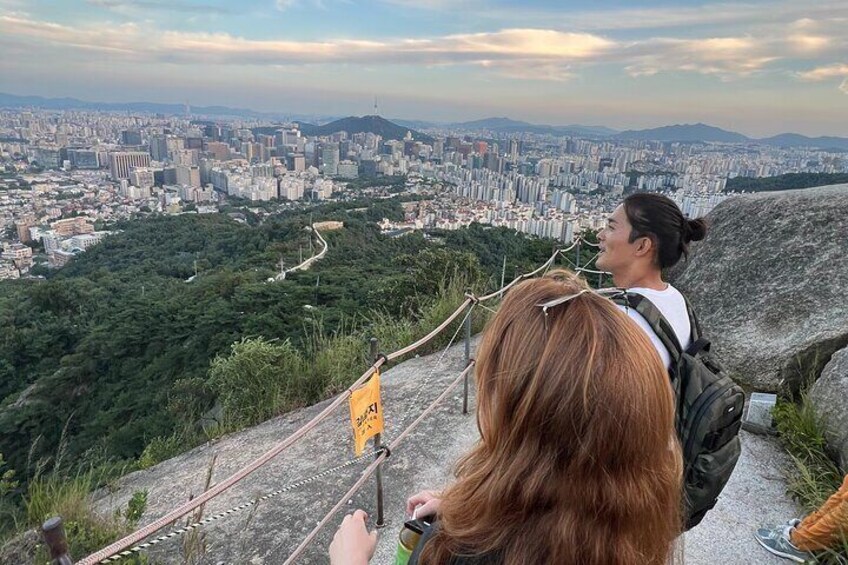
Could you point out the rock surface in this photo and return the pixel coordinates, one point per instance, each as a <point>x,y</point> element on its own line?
<point>768,282</point>
<point>270,532</point>
<point>829,396</point>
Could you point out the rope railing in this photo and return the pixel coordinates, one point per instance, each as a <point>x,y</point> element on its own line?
<point>174,515</point>
<point>134,538</point>
<point>235,509</point>
<point>520,278</point>
<point>371,469</point>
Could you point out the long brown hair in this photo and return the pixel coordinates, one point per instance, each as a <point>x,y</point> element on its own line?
<point>577,461</point>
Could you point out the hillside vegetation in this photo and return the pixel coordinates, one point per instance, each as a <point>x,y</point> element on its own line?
<point>116,360</point>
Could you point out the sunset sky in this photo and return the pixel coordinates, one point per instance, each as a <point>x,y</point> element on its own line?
<point>760,67</point>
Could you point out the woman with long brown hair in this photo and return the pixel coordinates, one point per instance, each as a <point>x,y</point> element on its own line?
<point>577,460</point>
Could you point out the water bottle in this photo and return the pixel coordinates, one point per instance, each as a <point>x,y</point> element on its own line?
<point>409,537</point>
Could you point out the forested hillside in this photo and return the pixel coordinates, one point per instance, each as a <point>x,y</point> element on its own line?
<point>112,353</point>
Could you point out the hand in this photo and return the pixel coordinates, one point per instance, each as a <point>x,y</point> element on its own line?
<point>426,502</point>
<point>352,544</point>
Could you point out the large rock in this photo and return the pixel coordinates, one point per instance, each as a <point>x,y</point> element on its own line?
<point>768,283</point>
<point>829,396</point>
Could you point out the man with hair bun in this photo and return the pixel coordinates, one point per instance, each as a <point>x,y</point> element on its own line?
<point>646,234</point>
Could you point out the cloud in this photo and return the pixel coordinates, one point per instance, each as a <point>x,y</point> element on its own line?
<point>822,73</point>
<point>524,53</point>
<point>506,49</point>
<point>666,17</point>
<point>839,70</point>
<point>129,6</point>
<point>433,4</point>
<point>283,5</point>
<point>726,57</point>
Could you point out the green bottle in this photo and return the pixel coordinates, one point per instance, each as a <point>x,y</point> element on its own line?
<point>410,534</point>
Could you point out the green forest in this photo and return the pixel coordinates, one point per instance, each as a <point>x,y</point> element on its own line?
<point>116,361</point>
<point>784,182</point>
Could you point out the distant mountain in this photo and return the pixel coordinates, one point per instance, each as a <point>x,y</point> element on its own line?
<point>693,133</point>
<point>373,124</point>
<point>798,140</point>
<point>685,133</point>
<point>396,129</point>
<point>507,125</point>
<point>415,124</point>
<point>13,101</point>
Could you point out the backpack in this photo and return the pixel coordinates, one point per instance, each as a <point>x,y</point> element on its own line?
<point>708,412</point>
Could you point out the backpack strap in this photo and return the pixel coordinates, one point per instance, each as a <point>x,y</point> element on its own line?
<point>699,342</point>
<point>656,320</point>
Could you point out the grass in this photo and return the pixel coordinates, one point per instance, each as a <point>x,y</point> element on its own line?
<point>256,380</point>
<point>816,476</point>
<point>86,531</point>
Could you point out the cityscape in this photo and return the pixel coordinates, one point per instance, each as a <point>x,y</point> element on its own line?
<point>68,175</point>
<point>215,215</point>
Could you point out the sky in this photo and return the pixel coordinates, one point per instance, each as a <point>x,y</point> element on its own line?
<point>760,67</point>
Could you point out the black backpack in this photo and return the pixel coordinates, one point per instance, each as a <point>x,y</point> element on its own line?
<point>709,409</point>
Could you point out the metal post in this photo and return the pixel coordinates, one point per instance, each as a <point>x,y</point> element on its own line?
<point>600,280</point>
<point>467,359</point>
<point>377,444</point>
<point>577,255</point>
<point>54,536</point>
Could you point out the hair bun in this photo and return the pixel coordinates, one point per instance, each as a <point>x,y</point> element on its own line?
<point>695,229</point>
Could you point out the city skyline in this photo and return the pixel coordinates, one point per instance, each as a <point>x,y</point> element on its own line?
<point>761,68</point>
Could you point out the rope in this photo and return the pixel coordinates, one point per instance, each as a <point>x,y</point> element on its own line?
<point>366,474</point>
<point>239,508</point>
<point>145,532</point>
<point>135,537</point>
<point>423,383</point>
<point>432,334</point>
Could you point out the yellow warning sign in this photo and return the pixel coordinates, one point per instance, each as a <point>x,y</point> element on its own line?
<point>366,412</point>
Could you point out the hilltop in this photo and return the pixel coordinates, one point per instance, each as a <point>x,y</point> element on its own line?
<point>371,124</point>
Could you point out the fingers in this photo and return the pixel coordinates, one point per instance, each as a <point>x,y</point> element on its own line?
<point>424,503</point>
<point>428,508</point>
<point>372,539</point>
<point>360,514</point>
<point>418,499</point>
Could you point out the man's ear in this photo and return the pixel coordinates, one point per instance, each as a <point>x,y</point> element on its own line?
<point>645,247</point>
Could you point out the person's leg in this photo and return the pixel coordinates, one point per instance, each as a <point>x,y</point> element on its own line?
<point>825,527</point>
<point>834,500</point>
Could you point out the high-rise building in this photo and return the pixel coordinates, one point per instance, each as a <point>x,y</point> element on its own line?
<point>298,163</point>
<point>130,137</point>
<point>141,177</point>
<point>513,149</point>
<point>122,162</point>
<point>330,159</point>
<point>159,148</point>
<point>83,158</point>
<point>220,151</point>
<point>188,175</point>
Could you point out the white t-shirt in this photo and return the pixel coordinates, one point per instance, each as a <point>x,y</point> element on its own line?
<point>672,305</point>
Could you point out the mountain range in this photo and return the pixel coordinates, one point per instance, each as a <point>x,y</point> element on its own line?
<point>397,128</point>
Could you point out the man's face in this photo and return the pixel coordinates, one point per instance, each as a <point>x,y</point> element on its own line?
<point>616,249</point>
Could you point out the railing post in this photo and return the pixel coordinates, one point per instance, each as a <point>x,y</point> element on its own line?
<point>577,254</point>
<point>377,445</point>
<point>54,536</point>
<point>467,358</point>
